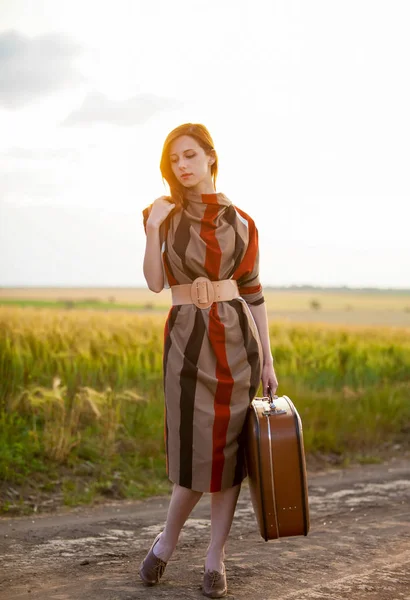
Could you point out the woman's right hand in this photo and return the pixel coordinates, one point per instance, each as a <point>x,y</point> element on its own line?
<point>161,207</point>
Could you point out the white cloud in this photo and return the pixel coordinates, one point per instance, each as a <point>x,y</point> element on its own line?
<point>32,67</point>
<point>38,154</point>
<point>98,108</point>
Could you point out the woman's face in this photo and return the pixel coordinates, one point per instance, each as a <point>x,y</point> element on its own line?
<point>189,162</point>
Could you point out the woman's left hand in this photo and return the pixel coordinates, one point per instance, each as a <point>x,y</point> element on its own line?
<point>269,379</point>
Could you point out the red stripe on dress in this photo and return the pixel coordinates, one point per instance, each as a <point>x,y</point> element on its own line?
<point>248,261</point>
<point>252,289</point>
<point>223,392</point>
<point>222,397</point>
<point>213,254</point>
<point>170,277</point>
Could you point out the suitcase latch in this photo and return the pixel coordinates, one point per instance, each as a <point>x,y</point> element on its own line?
<point>273,410</point>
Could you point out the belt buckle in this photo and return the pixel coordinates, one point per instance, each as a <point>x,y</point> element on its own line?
<point>202,292</point>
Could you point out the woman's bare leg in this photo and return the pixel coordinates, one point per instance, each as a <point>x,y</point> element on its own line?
<point>180,507</point>
<point>222,511</point>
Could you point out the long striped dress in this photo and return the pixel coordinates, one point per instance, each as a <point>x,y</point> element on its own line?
<point>212,359</point>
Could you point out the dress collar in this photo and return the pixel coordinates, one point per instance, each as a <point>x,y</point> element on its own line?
<point>191,196</point>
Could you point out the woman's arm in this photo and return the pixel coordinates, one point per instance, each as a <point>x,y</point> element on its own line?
<point>153,271</point>
<point>269,378</point>
<point>153,260</point>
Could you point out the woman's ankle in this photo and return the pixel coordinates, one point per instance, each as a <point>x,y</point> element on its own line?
<point>215,559</point>
<point>163,549</point>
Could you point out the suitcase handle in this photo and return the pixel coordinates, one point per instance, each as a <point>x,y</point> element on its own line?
<point>272,406</point>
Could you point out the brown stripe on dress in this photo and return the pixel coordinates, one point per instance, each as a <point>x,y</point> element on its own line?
<point>169,324</point>
<point>184,324</point>
<point>255,362</point>
<point>240,468</point>
<point>172,315</point>
<point>256,302</point>
<point>196,250</point>
<point>182,237</point>
<point>253,350</point>
<point>225,236</point>
<point>232,218</point>
<point>238,363</point>
<point>187,403</point>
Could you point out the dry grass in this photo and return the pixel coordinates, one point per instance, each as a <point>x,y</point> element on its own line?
<point>293,300</point>
<point>347,308</point>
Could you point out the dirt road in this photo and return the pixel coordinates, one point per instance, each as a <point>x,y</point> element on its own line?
<point>358,547</point>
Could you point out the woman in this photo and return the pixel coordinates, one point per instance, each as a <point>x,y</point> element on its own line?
<point>216,343</point>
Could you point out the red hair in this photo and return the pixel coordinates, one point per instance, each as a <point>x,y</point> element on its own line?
<point>200,133</point>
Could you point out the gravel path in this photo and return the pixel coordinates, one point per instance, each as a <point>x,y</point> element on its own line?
<point>358,547</point>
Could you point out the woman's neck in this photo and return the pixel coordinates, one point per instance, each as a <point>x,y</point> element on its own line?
<point>206,186</point>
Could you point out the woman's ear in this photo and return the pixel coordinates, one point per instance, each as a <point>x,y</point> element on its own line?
<point>212,157</point>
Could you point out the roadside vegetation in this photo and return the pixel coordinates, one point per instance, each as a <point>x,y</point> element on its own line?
<point>81,400</point>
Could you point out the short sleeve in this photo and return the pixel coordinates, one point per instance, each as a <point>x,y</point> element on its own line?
<point>247,273</point>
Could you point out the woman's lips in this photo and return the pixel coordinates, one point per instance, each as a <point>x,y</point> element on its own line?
<point>186,175</point>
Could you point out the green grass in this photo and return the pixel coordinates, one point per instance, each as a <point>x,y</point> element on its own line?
<point>80,304</point>
<point>81,400</point>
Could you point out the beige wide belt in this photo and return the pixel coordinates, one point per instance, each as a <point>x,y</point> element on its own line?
<point>202,292</point>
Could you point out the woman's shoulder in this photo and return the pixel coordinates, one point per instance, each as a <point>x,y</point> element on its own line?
<point>244,216</point>
<point>147,210</point>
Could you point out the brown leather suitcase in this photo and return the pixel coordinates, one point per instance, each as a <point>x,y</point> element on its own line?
<point>276,466</point>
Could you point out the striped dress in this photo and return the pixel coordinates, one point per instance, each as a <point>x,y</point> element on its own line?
<point>212,359</point>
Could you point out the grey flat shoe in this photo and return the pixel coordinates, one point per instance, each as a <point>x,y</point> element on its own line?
<point>152,567</point>
<point>214,585</point>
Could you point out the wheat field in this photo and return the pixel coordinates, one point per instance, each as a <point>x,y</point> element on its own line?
<point>312,306</point>
<point>81,399</point>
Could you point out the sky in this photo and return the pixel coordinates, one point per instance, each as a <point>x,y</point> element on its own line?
<point>307,104</point>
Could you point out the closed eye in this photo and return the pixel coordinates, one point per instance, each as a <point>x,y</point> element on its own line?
<point>173,160</point>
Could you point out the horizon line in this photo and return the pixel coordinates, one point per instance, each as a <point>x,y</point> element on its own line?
<point>265,287</point>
